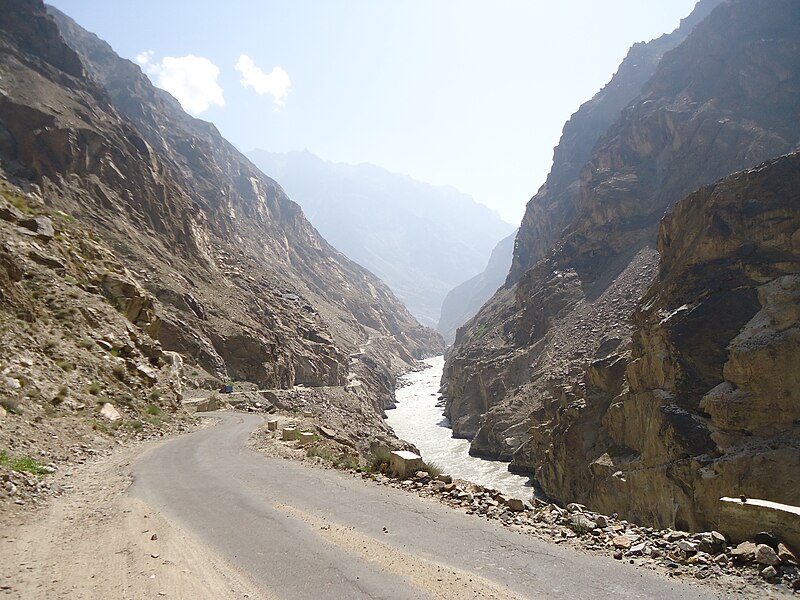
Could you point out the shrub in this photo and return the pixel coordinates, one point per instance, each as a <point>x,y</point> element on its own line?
<point>65,365</point>
<point>23,464</point>
<point>153,410</point>
<point>379,460</point>
<point>94,388</point>
<point>432,469</point>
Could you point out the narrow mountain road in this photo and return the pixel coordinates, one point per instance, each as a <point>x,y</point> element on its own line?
<point>302,532</point>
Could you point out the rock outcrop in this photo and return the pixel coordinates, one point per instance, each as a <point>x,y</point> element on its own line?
<point>210,258</point>
<point>546,370</point>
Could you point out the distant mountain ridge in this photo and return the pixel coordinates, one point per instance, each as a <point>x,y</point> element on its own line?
<point>422,240</point>
<point>464,301</point>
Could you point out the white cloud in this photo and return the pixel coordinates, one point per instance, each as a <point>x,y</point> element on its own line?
<point>191,79</point>
<point>275,84</point>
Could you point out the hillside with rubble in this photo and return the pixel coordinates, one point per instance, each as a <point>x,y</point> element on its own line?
<point>143,258</point>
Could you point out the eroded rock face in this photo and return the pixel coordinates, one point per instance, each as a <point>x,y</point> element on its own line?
<point>714,358</point>
<point>539,373</point>
<point>219,264</point>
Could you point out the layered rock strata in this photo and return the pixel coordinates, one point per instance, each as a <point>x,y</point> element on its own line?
<point>539,373</point>
<point>235,278</point>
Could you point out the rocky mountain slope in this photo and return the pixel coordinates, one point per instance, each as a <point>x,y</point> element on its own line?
<point>422,240</point>
<point>551,368</point>
<point>204,255</point>
<point>466,299</point>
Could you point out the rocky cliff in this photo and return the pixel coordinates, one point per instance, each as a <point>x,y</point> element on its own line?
<point>214,261</point>
<point>421,240</point>
<point>539,374</point>
<point>466,299</point>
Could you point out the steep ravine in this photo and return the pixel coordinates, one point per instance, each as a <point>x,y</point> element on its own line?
<point>541,372</point>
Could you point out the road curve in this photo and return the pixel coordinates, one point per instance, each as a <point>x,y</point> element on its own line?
<point>303,532</point>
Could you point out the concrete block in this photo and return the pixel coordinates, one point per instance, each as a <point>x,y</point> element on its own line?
<point>741,521</point>
<point>404,463</point>
<point>289,433</point>
<point>308,414</point>
<point>272,425</point>
<point>305,437</point>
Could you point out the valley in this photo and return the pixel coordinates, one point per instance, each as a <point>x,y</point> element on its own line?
<point>270,375</point>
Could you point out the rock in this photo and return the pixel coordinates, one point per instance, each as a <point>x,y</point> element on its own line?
<point>601,521</point>
<point>769,572</point>
<point>687,546</point>
<point>9,212</point>
<point>515,504</point>
<point>147,372</point>
<point>579,520</point>
<point>212,403</point>
<point>765,555</point>
<point>46,260</point>
<point>675,536</point>
<point>786,556</point>
<point>575,507</point>
<point>768,538</point>
<point>108,411</point>
<point>444,478</point>
<point>42,227</point>
<point>154,537</point>
<point>744,552</point>
<point>621,542</point>
<point>637,549</point>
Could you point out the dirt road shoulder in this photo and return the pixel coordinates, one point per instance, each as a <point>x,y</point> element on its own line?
<point>98,542</point>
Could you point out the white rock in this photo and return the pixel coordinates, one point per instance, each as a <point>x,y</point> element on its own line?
<point>109,412</point>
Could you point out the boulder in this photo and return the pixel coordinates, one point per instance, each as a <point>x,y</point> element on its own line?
<point>765,555</point>
<point>42,227</point>
<point>744,552</point>
<point>108,411</point>
<point>515,504</point>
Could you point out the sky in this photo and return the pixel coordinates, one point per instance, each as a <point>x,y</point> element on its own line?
<point>467,93</point>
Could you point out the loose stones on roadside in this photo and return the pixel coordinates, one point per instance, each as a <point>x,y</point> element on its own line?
<point>621,542</point>
<point>766,555</point>
<point>744,552</point>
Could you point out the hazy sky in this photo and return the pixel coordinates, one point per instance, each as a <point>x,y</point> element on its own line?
<point>461,92</point>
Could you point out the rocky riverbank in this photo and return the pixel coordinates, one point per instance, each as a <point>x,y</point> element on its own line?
<point>763,567</point>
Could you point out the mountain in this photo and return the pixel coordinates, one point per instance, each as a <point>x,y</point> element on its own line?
<point>611,367</point>
<point>205,256</point>
<point>422,240</point>
<point>466,299</point>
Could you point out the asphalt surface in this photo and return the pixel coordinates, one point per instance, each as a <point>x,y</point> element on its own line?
<point>303,532</point>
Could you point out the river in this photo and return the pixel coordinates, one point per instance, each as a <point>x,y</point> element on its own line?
<point>418,420</point>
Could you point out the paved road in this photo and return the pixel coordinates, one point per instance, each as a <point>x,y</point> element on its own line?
<point>313,533</point>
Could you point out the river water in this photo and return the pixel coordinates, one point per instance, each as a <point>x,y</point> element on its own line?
<point>418,420</point>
